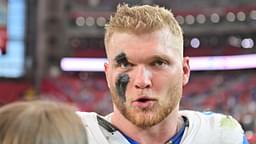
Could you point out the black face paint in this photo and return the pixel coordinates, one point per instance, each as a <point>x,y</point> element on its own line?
<point>121,85</point>
<point>121,59</point>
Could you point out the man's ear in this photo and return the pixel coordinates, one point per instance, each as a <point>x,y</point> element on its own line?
<point>105,66</point>
<point>186,70</point>
<point>106,70</point>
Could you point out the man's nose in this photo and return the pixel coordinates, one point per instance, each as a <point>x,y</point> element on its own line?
<point>142,78</point>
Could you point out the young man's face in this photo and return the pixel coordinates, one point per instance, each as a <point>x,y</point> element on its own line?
<point>145,75</point>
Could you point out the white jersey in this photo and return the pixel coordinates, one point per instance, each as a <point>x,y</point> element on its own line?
<point>203,128</point>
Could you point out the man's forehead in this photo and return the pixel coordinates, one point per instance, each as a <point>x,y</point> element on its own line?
<point>127,43</point>
<point>163,35</point>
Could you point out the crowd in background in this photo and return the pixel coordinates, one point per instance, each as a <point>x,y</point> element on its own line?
<point>232,92</point>
<point>229,92</point>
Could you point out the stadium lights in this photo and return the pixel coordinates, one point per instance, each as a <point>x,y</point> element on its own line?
<point>196,63</point>
<point>90,21</point>
<point>241,16</point>
<point>83,64</point>
<point>234,41</point>
<point>247,43</point>
<point>215,18</point>
<point>195,43</point>
<point>231,17</point>
<point>201,18</point>
<point>80,21</point>
<point>223,62</point>
<point>253,14</point>
<point>190,19</point>
<point>180,19</point>
<point>101,21</point>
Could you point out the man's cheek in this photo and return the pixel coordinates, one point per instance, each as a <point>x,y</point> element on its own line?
<point>121,85</point>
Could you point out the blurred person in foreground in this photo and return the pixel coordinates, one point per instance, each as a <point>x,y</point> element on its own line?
<point>146,73</point>
<point>40,122</point>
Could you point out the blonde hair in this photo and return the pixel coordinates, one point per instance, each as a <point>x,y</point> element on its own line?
<point>140,20</point>
<point>40,122</point>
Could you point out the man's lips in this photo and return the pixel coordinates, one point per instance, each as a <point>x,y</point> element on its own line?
<point>143,102</point>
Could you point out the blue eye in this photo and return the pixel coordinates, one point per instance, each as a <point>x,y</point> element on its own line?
<point>158,63</point>
<point>125,65</point>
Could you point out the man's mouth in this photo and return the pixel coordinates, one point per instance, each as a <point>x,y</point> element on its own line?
<point>143,102</point>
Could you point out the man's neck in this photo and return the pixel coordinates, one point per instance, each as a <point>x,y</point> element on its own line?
<point>158,134</point>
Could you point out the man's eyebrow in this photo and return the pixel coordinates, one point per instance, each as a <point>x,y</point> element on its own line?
<point>121,58</point>
<point>160,57</point>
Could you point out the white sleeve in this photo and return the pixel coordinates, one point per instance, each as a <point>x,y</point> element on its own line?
<point>94,133</point>
<point>100,131</point>
<point>211,128</point>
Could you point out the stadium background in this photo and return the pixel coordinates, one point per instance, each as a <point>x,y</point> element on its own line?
<point>54,29</point>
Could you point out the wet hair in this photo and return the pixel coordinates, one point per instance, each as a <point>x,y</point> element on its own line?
<point>140,20</point>
<point>40,122</point>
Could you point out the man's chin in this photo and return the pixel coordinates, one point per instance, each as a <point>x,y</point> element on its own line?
<point>143,118</point>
